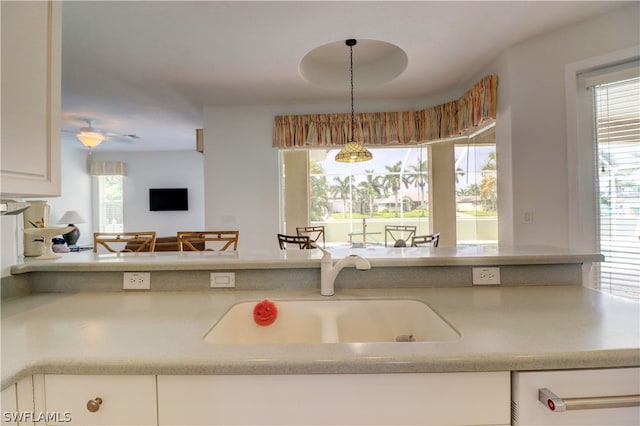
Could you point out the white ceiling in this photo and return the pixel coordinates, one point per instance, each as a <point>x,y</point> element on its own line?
<point>148,68</point>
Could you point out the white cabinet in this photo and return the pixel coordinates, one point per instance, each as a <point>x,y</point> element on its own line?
<point>101,400</point>
<point>9,406</point>
<point>595,385</point>
<point>17,403</point>
<point>383,399</point>
<point>31,101</point>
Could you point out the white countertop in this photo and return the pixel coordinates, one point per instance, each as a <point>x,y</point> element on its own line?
<point>379,257</point>
<point>508,328</point>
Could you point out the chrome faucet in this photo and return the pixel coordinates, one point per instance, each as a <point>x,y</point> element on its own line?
<point>329,271</point>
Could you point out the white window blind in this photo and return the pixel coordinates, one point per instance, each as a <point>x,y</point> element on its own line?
<point>107,168</point>
<point>617,128</point>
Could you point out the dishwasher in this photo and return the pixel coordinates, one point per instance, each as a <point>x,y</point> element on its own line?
<point>576,397</point>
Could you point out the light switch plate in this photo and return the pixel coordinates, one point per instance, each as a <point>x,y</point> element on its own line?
<point>486,276</point>
<point>137,281</point>
<point>222,279</point>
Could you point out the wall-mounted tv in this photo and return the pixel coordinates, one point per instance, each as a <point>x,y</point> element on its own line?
<point>168,199</point>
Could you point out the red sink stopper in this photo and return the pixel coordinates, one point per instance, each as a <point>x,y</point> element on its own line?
<point>265,313</point>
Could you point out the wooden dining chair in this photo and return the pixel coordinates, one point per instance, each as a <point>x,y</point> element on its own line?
<point>144,241</point>
<point>397,233</point>
<point>430,239</point>
<point>301,241</point>
<point>314,233</point>
<point>204,240</point>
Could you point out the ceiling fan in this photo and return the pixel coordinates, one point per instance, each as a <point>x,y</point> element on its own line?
<point>91,137</point>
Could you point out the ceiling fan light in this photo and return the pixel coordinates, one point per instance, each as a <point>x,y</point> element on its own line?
<point>90,139</point>
<point>353,152</point>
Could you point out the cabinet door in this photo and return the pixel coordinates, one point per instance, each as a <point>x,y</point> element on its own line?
<point>354,399</point>
<point>101,400</point>
<point>17,403</point>
<point>9,406</point>
<point>31,102</point>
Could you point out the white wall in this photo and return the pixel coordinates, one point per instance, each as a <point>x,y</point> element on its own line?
<point>76,191</point>
<point>163,169</point>
<point>531,133</point>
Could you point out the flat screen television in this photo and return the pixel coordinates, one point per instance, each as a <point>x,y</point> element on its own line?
<point>168,199</point>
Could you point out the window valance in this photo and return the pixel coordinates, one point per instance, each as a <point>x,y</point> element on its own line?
<point>385,128</point>
<point>107,168</point>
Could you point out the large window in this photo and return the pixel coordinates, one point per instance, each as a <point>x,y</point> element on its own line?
<point>394,189</point>
<point>391,189</point>
<point>110,191</point>
<point>476,194</point>
<point>617,130</point>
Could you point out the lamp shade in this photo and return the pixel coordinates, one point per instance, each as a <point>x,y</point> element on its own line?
<point>90,139</point>
<point>71,217</point>
<point>353,152</point>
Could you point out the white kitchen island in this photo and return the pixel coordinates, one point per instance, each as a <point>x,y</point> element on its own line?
<point>155,339</point>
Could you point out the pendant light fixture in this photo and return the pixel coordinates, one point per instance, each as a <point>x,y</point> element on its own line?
<point>353,152</point>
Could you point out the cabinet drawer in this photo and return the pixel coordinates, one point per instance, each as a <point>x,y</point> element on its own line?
<point>353,399</point>
<point>593,384</point>
<point>125,400</point>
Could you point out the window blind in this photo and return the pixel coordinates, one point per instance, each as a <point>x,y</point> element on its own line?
<point>617,129</point>
<point>107,168</point>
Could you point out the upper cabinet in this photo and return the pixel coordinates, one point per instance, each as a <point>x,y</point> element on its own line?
<point>31,100</point>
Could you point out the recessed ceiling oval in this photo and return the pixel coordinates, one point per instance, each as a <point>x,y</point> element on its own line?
<point>374,63</point>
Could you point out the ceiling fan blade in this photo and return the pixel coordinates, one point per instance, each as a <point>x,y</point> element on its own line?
<point>107,136</point>
<point>120,135</point>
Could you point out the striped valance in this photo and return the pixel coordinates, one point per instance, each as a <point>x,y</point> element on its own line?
<point>385,128</point>
<point>107,168</point>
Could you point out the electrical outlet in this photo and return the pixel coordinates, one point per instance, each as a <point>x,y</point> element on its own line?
<point>486,276</point>
<point>222,279</point>
<point>137,281</point>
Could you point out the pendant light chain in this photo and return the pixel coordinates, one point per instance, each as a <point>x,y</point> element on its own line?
<point>353,120</point>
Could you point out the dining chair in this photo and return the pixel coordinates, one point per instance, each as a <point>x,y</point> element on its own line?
<point>432,239</point>
<point>194,240</point>
<point>301,241</point>
<point>313,232</point>
<point>144,241</point>
<point>394,233</point>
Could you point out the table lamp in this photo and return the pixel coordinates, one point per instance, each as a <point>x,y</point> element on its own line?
<point>71,217</point>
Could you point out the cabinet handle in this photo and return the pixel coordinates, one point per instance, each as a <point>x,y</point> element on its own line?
<point>555,403</point>
<point>93,405</point>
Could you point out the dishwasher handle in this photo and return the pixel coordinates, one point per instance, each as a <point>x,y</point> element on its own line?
<point>555,403</point>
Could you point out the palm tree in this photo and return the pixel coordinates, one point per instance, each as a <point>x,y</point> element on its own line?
<point>318,192</point>
<point>489,184</point>
<point>342,189</point>
<point>319,198</point>
<point>419,178</point>
<point>372,188</point>
<point>392,181</point>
